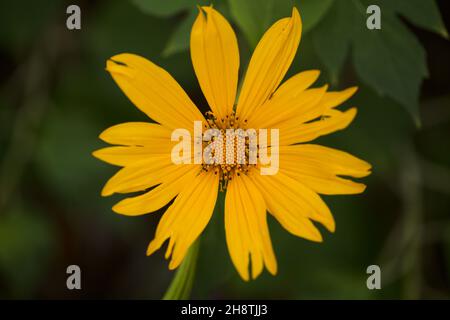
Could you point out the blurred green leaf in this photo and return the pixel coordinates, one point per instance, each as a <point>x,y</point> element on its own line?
<point>254,17</point>
<point>312,11</point>
<point>332,38</point>
<point>424,14</point>
<point>68,144</point>
<point>164,7</point>
<point>179,40</point>
<point>399,65</point>
<point>20,27</point>
<point>27,242</point>
<point>124,28</point>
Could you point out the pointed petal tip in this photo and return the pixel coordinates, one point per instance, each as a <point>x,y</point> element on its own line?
<point>109,65</point>
<point>331,227</point>
<point>363,188</point>
<point>95,154</point>
<point>206,9</point>
<point>315,72</point>
<point>116,208</point>
<point>121,57</point>
<point>113,67</point>
<point>245,277</point>
<point>176,261</point>
<point>351,91</point>
<point>296,16</point>
<point>172,265</point>
<point>169,249</point>
<point>349,115</point>
<point>273,270</point>
<point>106,193</point>
<point>152,247</point>
<point>107,190</point>
<point>121,208</point>
<point>201,10</point>
<point>257,274</point>
<point>352,112</point>
<point>102,135</point>
<point>114,60</point>
<point>317,237</point>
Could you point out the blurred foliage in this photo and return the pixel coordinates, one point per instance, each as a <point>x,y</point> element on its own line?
<point>26,238</point>
<point>163,8</point>
<point>55,98</point>
<point>398,68</point>
<point>255,17</point>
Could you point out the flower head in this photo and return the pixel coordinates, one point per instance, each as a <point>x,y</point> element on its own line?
<point>296,111</point>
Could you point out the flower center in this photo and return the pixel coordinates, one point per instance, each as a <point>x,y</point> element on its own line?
<point>229,149</point>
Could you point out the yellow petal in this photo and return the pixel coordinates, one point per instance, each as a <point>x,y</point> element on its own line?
<point>269,63</point>
<point>136,134</point>
<point>215,57</point>
<point>336,98</point>
<point>336,121</point>
<point>296,84</point>
<point>153,91</point>
<point>293,204</point>
<point>158,197</point>
<point>284,111</point>
<point>139,176</point>
<point>290,89</point>
<point>335,162</point>
<point>123,156</point>
<point>246,228</point>
<point>187,217</point>
<point>320,181</point>
<point>292,105</point>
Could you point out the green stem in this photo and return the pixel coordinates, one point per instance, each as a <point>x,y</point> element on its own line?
<point>181,285</point>
<point>411,182</point>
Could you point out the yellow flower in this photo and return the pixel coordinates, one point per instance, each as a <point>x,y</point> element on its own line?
<point>301,114</point>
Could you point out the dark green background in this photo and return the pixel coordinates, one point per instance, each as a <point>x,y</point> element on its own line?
<point>56,97</point>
